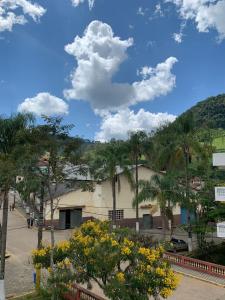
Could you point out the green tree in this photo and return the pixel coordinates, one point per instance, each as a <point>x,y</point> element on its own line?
<point>10,130</point>
<point>163,190</point>
<point>123,269</point>
<point>109,160</point>
<point>136,149</point>
<point>177,155</point>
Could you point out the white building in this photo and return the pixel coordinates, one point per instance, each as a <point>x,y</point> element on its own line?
<point>74,206</point>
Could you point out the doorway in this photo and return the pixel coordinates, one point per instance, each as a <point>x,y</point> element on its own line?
<point>147,221</point>
<point>70,218</point>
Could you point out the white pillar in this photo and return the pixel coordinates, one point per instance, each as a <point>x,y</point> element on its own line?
<point>137,227</point>
<point>2,289</point>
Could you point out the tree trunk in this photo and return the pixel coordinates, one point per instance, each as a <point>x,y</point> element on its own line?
<point>136,194</point>
<point>171,218</point>
<point>113,182</point>
<point>186,153</point>
<point>163,224</point>
<point>52,241</point>
<point>52,234</point>
<point>40,217</point>
<point>3,242</point>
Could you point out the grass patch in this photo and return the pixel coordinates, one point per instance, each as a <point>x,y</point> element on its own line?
<point>219,143</point>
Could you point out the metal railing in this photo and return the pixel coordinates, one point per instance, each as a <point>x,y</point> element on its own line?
<point>196,264</point>
<point>77,292</point>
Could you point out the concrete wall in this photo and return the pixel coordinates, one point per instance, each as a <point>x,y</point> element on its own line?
<point>126,195</point>
<point>77,198</point>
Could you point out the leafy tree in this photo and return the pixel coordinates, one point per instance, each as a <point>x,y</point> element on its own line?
<point>124,270</point>
<point>163,189</point>
<point>178,156</point>
<point>136,148</point>
<point>52,174</point>
<point>10,130</point>
<point>108,160</point>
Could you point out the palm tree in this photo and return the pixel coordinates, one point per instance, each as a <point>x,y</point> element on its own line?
<point>136,148</point>
<point>10,130</point>
<point>177,147</point>
<point>109,158</point>
<point>160,188</point>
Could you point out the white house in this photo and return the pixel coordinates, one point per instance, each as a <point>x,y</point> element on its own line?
<point>74,206</point>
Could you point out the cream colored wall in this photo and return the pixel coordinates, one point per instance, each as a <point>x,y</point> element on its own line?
<point>77,198</point>
<point>98,203</point>
<point>125,196</point>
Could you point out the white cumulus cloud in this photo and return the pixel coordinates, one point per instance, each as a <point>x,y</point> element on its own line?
<point>207,14</point>
<point>78,2</point>
<point>44,104</point>
<point>99,55</point>
<point>118,125</point>
<point>10,13</point>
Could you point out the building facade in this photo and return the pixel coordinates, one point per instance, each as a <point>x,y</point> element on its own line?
<point>75,206</point>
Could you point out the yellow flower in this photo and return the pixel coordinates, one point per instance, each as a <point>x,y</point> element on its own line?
<point>148,253</point>
<point>166,292</point>
<point>149,268</point>
<point>34,252</point>
<point>160,272</point>
<point>63,245</point>
<point>151,257</point>
<point>128,243</point>
<point>125,251</point>
<point>114,243</point>
<point>167,281</point>
<point>41,252</point>
<point>37,266</point>
<point>67,262</point>
<point>87,251</point>
<point>60,264</point>
<point>120,277</point>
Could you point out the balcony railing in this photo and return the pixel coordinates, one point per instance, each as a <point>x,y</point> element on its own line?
<point>77,292</point>
<point>196,264</point>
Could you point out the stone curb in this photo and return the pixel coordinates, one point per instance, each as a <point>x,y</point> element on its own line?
<point>12,297</point>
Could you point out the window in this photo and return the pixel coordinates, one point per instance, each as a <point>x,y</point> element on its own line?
<point>221,191</point>
<point>119,214</point>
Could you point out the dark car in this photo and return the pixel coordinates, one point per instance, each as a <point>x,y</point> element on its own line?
<point>177,245</point>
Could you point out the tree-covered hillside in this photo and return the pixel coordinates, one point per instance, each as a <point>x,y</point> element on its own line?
<point>209,113</point>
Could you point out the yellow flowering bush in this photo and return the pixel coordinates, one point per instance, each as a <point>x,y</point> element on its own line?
<point>123,268</point>
<point>120,277</point>
<point>42,256</point>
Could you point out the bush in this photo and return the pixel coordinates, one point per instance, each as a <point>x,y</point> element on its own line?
<point>122,267</point>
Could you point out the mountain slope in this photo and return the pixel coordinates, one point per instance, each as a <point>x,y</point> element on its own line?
<point>210,112</point>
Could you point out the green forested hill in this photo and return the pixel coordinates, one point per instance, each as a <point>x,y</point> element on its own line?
<point>210,112</point>
<point>205,115</point>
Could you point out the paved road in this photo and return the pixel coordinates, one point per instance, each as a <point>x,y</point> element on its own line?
<point>22,240</point>
<point>194,289</point>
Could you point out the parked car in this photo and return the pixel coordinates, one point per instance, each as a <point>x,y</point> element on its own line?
<point>177,245</point>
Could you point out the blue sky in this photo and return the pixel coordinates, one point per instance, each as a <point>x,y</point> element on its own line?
<point>108,94</point>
